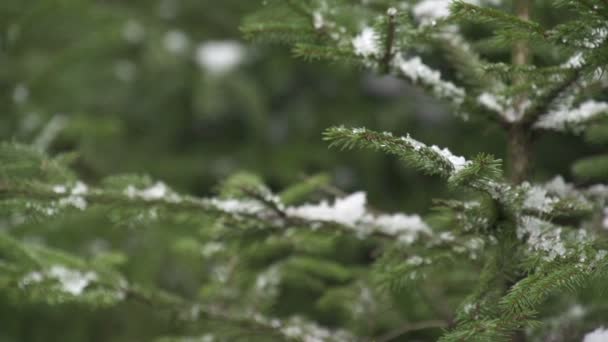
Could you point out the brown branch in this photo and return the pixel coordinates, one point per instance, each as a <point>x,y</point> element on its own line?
<point>388,45</point>
<point>519,137</point>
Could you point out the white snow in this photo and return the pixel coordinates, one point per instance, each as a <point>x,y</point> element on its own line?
<point>563,117</point>
<point>60,189</point>
<point>158,191</point>
<point>417,145</point>
<point>558,186</point>
<point>491,101</point>
<point>542,236</point>
<point>576,311</point>
<point>267,282</point>
<point>236,206</point>
<point>537,199</point>
<point>577,60</point>
<point>366,43</point>
<point>347,210</point>
<point>447,236</point>
<point>415,260</point>
<point>72,281</point>
<point>351,211</point>
<point>428,11</point>
<point>219,57</point>
<point>80,188</point>
<point>298,329</point>
<point>211,248</point>
<point>74,201</point>
<point>598,190</point>
<point>414,69</point>
<point>598,335</point>
<point>597,37</point>
<point>417,71</point>
<point>457,162</point>
<point>405,227</point>
<point>31,278</point>
<point>318,20</point>
<point>503,106</point>
<point>207,338</point>
<point>76,197</point>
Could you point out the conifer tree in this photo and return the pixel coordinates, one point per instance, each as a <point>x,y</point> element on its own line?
<point>512,256</point>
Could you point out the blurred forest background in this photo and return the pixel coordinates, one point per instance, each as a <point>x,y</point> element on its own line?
<point>126,87</point>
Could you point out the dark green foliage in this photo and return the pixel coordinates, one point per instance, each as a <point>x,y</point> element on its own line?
<point>257,239</point>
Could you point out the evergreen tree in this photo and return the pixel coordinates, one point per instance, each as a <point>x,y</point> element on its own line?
<point>495,262</point>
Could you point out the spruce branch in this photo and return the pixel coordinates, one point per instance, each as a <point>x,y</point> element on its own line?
<point>511,25</point>
<point>389,40</point>
<point>418,155</point>
<point>430,160</point>
<point>181,308</point>
<point>542,104</point>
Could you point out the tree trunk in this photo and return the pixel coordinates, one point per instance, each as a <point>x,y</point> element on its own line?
<point>519,153</point>
<point>519,135</point>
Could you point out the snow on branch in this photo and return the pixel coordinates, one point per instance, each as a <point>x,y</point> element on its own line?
<point>155,192</point>
<point>432,160</point>
<point>419,73</point>
<point>366,43</point>
<point>427,12</point>
<point>503,106</point>
<point>565,117</point>
<point>351,212</point>
<point>553,199</point>
<point>70,281</point>
<point>542,237</point>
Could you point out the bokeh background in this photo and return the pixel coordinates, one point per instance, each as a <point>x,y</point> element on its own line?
<point>126,87</point>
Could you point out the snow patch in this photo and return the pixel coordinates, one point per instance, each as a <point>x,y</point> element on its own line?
<point>347,210</point>
<point>563,117</point>
<point>458,163</point>
<point>503,107</point>
<point>76,195</point>
<point>418,72</point>
<point>428,11</point>
<point>351,211</point>
<point>158,191</point>
<point>72,281</point>
<point>537,199</point>
<point>598,335</point>
<point>318,21</point>
<point>220,57</point>
<point>576,61</point>
<point>542,236</point>
<point>236,206</point>
<point>366,43</point>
